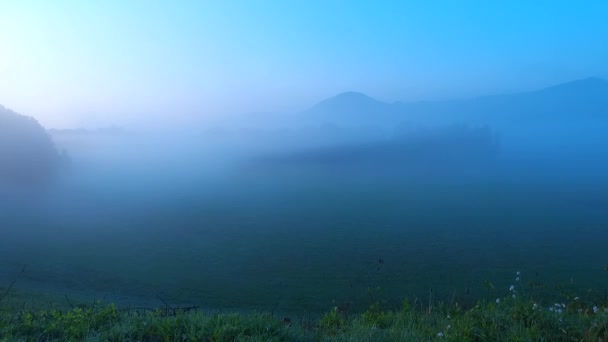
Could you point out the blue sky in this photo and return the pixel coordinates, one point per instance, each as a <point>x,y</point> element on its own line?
<point>91,63</point>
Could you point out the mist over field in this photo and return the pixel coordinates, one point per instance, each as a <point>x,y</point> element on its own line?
<point>350,199</point>
<point>304,157</point>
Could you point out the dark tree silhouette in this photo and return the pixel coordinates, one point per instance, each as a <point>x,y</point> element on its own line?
<point>27,153</point>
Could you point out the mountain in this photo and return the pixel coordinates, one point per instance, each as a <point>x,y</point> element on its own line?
<point>588,88</point>
<point>350,101</point>
<point>581,99</point>
<point>577,100</point>
<point>351,107</point>
<point>27,153</point>
<point>565,119</point>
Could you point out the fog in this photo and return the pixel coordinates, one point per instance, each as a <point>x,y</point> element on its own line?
<point>293,212</point>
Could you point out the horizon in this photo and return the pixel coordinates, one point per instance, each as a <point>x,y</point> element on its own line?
<point>67,66</point>
<point>111,125</point>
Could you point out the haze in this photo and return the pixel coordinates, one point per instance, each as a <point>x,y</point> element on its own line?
<point>290,155</point>
<point>86,64</point>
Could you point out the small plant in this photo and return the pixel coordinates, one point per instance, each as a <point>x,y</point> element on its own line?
<point>376,317</point>
<point>332,322</point>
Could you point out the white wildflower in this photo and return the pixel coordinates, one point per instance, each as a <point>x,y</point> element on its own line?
<point>497,300</point>
<point>559,311</point>
<point>448,327</point>
<point>579,310</point>
<point>595,309</point>
<point>534,306</point>
<point>551,309</point>
<point>517,279</point>
<point>576,298</point>
<point>440,334</point>
<point>518,273</point>
<point>513,295</point>
<point>512,288</point>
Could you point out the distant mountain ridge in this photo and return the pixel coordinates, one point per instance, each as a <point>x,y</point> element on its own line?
<point>585,98</point>
<point>351,101</point>
<point>110,130</point>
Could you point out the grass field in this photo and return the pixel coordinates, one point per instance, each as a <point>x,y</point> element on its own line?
<point>515,316</point>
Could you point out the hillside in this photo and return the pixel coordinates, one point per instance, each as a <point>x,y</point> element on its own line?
<point>27,153</point>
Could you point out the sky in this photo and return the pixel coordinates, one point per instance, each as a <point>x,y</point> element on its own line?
<point>98,63</point>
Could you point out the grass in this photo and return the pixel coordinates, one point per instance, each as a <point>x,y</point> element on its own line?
<point>512,317</point>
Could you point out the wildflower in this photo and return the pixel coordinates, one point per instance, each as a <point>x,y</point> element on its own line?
<point>605,309</point>
<point>595,309</point>
<point>517,279</point>
<point>497,300</point>
<point>448,327</point>
<point>551,309</point>
<point>518,273</point>
<point>534,306</point>
<point>440,334</point>
<point>559,311</point>
<point>449,316</point>
<point>576,298</point>
<point>513,296</point>
<point>512,288</point>
<point>579,310</point>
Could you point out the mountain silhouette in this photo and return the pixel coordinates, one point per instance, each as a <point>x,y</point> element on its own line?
<point>580,99</point>
<point>576,100</point>
<point>351,100</point>
<point>350,107</point>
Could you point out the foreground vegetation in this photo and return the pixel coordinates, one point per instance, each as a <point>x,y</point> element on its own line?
<point>509,318</point>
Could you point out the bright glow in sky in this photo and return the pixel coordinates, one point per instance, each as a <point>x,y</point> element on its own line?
<point>91,63</point>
